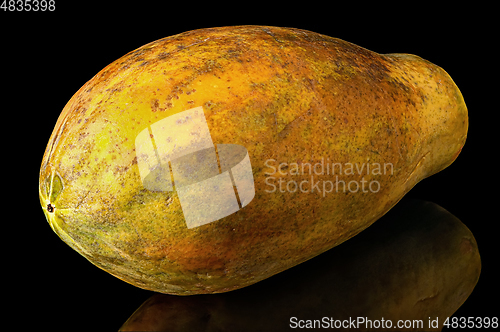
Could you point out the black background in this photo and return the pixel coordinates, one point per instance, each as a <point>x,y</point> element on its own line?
<point>47,56</point>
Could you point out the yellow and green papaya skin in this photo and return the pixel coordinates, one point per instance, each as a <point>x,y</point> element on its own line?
<point>289,97</point>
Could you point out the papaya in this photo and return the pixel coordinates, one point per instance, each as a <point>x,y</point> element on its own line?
<point>413,267</point>
<point>210,160</point>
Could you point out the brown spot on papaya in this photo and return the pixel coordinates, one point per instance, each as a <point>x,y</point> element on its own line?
<point>155,104</point>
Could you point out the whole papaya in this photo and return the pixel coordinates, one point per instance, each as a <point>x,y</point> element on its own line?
<point>210,160</point>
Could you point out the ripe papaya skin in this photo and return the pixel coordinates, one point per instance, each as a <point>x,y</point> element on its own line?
<point>286,95</point>
<point>416,262</point>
